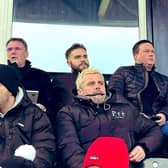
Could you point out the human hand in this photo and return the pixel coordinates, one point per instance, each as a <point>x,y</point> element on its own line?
<point>162,119</point>
<point>42,107</point>
<point>137,154</point>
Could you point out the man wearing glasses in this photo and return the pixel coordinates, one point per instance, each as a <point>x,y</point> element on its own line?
<point>31,78</point>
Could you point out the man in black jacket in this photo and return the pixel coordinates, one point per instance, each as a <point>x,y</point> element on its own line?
<point>141,85</point>
<point>25,130</point>
<point>31,78</point>
<point>96,113</point>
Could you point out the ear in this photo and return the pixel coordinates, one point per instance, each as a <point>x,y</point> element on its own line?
<point>79,91</point>
<point>27,53</point>
<point>10,93</point>
<point>69,62</point>
<point>135,57</point>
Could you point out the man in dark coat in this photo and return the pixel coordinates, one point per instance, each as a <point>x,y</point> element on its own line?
<point>96,113</point>
<point>25,130</point>
<point>31,78</point>
<point>141,85</point>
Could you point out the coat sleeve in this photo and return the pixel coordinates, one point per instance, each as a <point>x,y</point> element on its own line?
<point>149,134</point>
<point>164,107</point>
<point>43,140</point>
<point>71,153</point>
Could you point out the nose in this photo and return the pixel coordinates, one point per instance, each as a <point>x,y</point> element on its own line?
<point>152,52</point>
<point>97,86</point>
<point>83,58</point>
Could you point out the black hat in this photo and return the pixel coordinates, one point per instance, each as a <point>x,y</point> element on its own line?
<point>14,162</point>
<point>9,78</point>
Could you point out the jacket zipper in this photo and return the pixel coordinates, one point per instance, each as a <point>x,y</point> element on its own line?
<point>158,89</point>
<point>139,93</point>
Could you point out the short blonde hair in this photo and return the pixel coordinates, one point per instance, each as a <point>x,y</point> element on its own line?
<point>86,71</point>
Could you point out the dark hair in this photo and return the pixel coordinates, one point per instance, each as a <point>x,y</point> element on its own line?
<point>74,46</point>
<point>135,48</point>
<point>18,39</point>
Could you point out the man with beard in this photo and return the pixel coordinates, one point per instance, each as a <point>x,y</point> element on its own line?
<point>77,59</point>
<point>96,113</point>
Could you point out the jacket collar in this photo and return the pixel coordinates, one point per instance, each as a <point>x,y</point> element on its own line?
<point>21,102</point>
<point>111,98</point>
<point>140,67</point>
<point>19,97</point>
<point>87,101</point>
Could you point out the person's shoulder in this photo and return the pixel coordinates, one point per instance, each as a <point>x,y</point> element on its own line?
<point>32,109</point>
<point>39,73</point>
<point>160,75</point>
<point>72,110</point>
<point>125,69</point>
<point>38,70</point>
<point>69,108</point>
<point>30,112</point>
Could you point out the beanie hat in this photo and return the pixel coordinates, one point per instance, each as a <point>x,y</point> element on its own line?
<point>107,152</point>
<point>14,162</point>
<point>9,78</point>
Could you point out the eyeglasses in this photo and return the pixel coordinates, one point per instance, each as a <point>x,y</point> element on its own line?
<point>14,48</point>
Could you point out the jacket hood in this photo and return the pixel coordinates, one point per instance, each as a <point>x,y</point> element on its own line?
<point>85,98</point>
<point>111,98</point>
<point>21,101</point>
<point>19,97</point>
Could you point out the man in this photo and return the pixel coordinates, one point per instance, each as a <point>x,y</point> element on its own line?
<point>95,114</point>
<point>31,78</point>
<point>77,59</point>
<point>25,130</point>
<point>141,85</point>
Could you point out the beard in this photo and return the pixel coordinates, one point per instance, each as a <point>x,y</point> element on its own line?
<point>81,67</point>
<point>98,100</point>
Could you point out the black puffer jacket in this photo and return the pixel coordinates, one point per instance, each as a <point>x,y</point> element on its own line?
<point>80,124</point>
<point>25,123</point>
<point>130,81</point>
